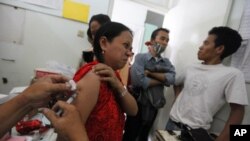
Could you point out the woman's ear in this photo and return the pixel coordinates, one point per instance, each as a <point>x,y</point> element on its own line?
<point>103,43</point>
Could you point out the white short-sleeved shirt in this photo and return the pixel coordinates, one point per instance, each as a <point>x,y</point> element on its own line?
<point>206,89</point>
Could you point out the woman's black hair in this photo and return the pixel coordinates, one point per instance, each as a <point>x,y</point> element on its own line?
<point>88,56</point>
<point>100,18</point>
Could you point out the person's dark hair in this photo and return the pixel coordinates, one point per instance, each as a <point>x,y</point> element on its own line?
<point>110,30</point>
<point>89,36</point>
<point>228,37</point>
<point>88,56</point>
<point>155,32</point>
<point>100,18</point>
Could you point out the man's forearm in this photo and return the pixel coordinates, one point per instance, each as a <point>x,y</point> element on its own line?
<point>13,111</point>
<point>154,82</point>
<point>177,90</point>
<point>235,117</point>
<point>157,76</point>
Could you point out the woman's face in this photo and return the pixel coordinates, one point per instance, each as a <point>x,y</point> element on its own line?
<point>117,52</point>
<point>94,26</point>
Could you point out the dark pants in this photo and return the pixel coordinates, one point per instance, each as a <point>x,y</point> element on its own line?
<point>135,126</point>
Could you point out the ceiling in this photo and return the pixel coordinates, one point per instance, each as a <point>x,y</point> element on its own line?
<point>158,5</point>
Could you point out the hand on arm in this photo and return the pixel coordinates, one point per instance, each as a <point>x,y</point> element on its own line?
<point>36,95</point>
<point>127,101</point>
<point>69,126</point>
<point>39,93</point>
<point>235,117</point>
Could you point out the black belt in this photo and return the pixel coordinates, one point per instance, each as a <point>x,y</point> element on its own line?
<point>181,125</point>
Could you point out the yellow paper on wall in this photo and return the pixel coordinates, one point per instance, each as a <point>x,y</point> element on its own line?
<point>75,11</point>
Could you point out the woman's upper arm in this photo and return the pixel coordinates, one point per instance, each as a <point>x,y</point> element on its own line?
<point>87,94</point>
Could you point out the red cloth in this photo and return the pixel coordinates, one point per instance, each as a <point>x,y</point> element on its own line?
<point>25,127</point>
<point>106,121</point>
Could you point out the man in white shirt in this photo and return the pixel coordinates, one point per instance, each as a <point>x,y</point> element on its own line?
<point>204,88</point>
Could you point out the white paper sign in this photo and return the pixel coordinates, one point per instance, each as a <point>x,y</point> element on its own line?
<point>54,4</point>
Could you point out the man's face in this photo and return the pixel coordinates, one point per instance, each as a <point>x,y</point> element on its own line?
<point>162,38</point>
<point>208,52</point>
